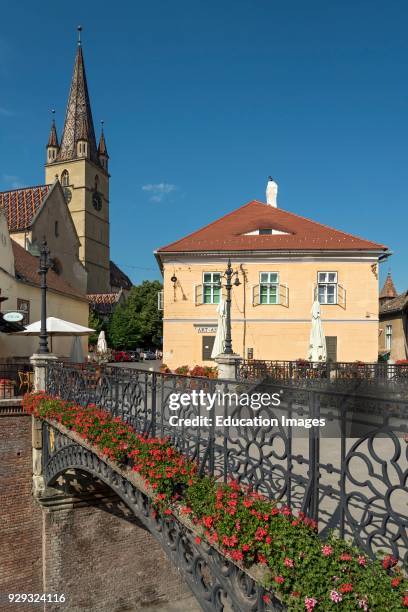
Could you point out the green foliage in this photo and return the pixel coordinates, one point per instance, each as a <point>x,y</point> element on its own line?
<point>137,322</point>
<point>95,322</point>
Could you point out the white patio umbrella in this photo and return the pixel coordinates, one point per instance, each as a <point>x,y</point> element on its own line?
<point>219,342</point>
<point>317,343</point>
<point>77,352</point>
<point>56,327</point>
<point>101,346</point>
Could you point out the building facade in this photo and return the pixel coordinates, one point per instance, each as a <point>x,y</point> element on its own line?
<point>393,338</point>
<point>35,212</point>
<point>283,262</point>
<point>20,291</point>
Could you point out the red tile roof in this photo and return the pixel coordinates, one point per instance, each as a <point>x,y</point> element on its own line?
<point>103,298</point>
<point>104,303</point>
<point>395,305</point>
<point>26,267</point>
<point>21,205</point>
<point>228,234</point>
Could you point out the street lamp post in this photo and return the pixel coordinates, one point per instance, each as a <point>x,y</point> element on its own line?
<point>45,264</point>
<point>228,274</point>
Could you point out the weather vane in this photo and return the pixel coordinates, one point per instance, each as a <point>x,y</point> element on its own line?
<point>79,28</point>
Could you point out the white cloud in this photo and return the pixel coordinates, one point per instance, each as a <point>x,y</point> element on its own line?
<point>159,191</point>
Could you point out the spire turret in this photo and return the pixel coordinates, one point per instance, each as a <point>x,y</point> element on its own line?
<point>103,150</point>
<point>52,144</point>
<point>388,291</point>
<point>78,124</point>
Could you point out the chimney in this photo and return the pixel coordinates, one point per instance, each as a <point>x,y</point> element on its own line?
<point>271,192</point>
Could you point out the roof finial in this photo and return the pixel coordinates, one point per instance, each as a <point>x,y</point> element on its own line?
<point>53,115</point>
<point>79,28</point>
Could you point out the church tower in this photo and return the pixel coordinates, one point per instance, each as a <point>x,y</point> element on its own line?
<point>82,168</point>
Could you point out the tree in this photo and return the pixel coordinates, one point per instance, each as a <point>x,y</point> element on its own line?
<point>138,322</point>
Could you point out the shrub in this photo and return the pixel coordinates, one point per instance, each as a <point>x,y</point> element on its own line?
<point>182,370</point>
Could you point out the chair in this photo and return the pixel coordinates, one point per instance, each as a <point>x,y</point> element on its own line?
<point>26,379</point>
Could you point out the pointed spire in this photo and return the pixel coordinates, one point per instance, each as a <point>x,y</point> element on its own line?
<point>53,137</point>
<point>78,118</point>
<point>102,148</point>
<point>388,291</point>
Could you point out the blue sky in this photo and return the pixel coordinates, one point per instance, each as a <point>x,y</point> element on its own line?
<point>202,99</point>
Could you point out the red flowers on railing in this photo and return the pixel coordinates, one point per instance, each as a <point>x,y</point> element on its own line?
<point>245,526</point>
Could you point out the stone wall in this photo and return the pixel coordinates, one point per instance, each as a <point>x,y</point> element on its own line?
<point>103,560</point>
<point>20,515</point>
<point>88,547</point>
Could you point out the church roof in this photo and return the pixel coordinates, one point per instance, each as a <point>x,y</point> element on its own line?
<point>78,118</point>
<point>388,290</point>
<point>236,232</point>
<point>21,205</point>
<point>26,268</point>
<point>118,278</point>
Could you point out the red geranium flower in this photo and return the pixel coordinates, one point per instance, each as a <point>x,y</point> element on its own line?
<point>347,587</point>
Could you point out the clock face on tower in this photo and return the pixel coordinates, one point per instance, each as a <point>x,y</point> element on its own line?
<point>97,201</point>
<point>67,194</point>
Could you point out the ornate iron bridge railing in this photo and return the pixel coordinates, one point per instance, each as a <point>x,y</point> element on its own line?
<point>217,583</point>
<point>372,374</point>
<point>350,475</point>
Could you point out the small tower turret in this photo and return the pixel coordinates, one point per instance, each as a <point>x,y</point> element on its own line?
<point>103,150</point>
<point>52,144</point>
<point>83,139</point>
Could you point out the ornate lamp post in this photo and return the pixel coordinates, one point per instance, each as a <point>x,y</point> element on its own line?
<point>228,275</point>
<point>45,264</point>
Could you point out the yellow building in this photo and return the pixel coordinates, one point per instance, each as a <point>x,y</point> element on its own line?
<point>20,288</point>
<point>283,261</point>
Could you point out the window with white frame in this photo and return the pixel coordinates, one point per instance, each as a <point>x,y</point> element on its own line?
<point>388,337</point>
<point>211,287</point>
<point>327,287</point>
<point>269,288</point>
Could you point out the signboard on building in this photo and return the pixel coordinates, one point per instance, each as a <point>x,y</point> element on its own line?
<point>13,317</point>
<point>206,329</point>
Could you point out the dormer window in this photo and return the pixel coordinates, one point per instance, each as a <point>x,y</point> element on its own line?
<point>265,231</point>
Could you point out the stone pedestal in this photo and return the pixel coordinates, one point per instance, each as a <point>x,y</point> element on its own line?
<point>39,362</point>
<point>227,365</point>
